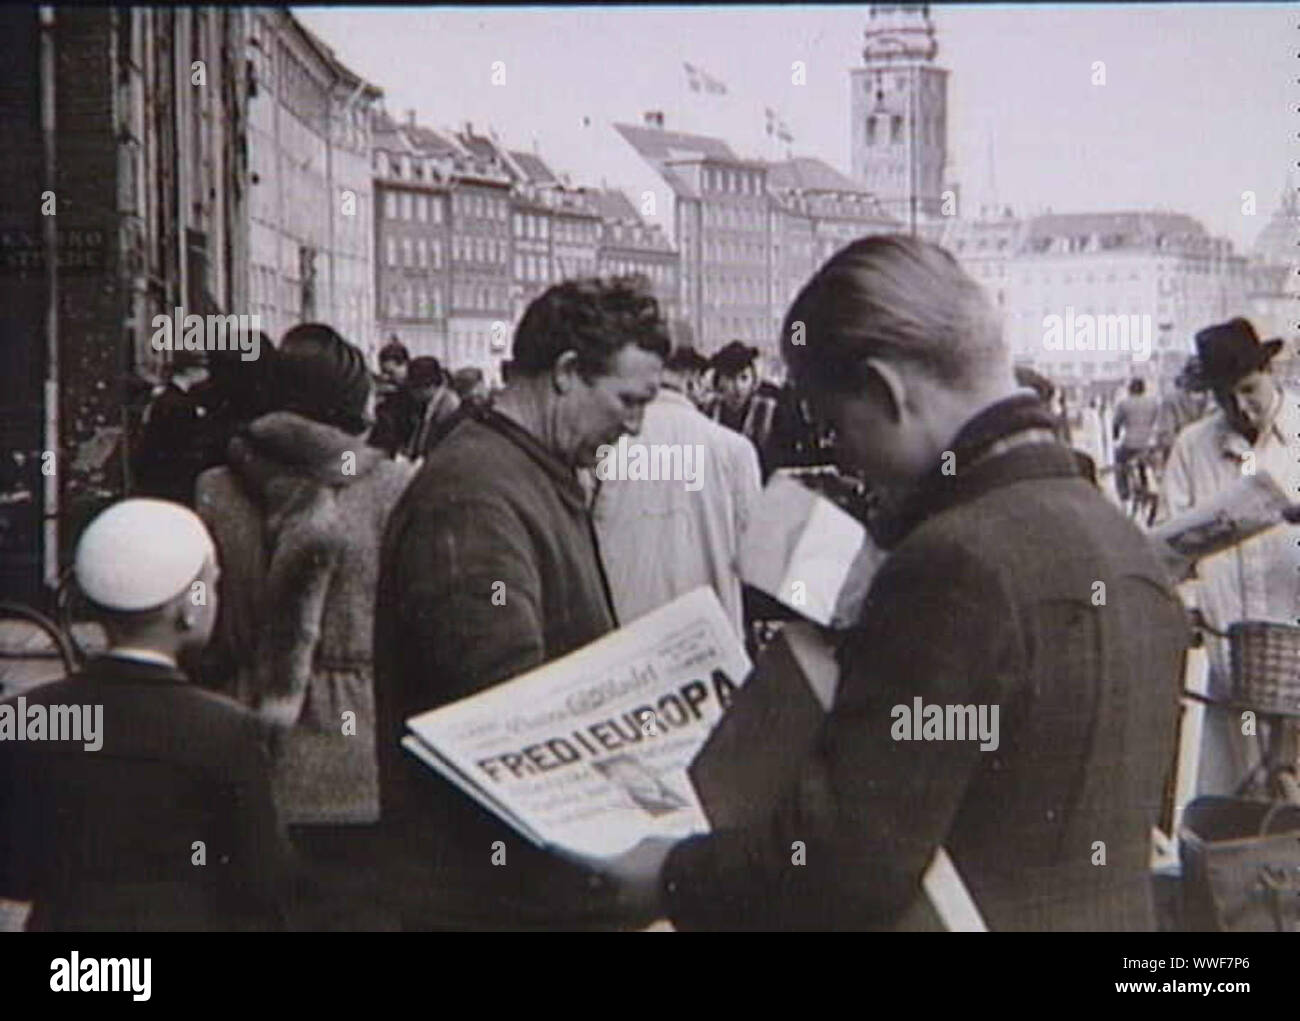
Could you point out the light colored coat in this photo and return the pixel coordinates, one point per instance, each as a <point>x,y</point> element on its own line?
<point>659,539</point>
<point>1257,580</point>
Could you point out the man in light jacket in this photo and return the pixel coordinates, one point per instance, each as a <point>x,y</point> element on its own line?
<point>664,536</point>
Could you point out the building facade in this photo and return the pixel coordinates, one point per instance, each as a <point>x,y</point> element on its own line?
<point>629,246</point>
<point>1158,272</point>
<point>478,327</point>
<point>125,149</point>
<point>413,168</point>
<point>1273,280</point>
<point>749,233</point>
<point>311,237</point>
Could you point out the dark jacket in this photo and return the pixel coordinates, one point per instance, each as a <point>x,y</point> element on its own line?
<point>106,840</point>
<point>397,416</point>
<point>180,439</point>
<point>297,518</point>
<point>409,425</point>
<point>489,568</point>
<point>987,598</point>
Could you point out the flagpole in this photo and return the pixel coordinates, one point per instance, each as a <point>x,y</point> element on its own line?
<point>911,138</point>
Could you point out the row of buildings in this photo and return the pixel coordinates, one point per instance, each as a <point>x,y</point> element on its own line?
<point>226,159</point>
<point>468,232</point>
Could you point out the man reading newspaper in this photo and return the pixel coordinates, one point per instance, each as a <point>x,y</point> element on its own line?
<point>489,569</point>
<point>986,603</point>
<point>1252,434</point>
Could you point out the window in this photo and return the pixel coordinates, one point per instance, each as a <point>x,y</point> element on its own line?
<point>407,259</point>
<point>437,209</point>
<point>392,251</point>
<point>422,208</point>
<point>390,205</point>
<point>422,253</point>
<point>895,129</point>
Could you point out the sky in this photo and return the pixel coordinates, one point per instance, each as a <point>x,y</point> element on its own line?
<point>1201,103</point>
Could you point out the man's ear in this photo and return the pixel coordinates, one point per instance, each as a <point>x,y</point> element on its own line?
<point>885,386</point>
<point>564,373</point>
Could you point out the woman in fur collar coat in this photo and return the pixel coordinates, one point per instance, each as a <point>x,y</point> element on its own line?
<point>297,514</point>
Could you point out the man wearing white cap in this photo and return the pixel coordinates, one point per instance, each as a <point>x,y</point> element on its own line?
<point>168,823</point>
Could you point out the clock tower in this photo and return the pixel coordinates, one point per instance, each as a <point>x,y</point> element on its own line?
<point>900,113</point>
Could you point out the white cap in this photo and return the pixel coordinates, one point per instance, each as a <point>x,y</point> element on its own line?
<point>140,553</point>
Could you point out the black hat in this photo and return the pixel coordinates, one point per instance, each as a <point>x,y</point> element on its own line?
<point>1228,351</point>
<point>686,359</point>
<point>323,377</point>
<point>394,351</point>
<point>424,371</point>
<point>733,359</point>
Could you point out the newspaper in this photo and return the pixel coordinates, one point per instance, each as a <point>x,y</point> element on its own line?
<point>804,551</point>
<point>589,753</point>
<point>1247,507</point>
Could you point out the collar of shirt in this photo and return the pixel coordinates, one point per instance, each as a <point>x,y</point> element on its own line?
<point>1285,428</point>
<point>142,655</point>
<point>1286,418</point>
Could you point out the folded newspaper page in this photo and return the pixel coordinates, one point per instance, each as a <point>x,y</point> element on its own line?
<point>589,753</point>
<point>753,758</point>
<point>803,550</point>
<point>1247,507</point>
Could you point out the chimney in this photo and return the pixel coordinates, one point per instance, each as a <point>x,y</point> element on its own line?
<point>654,119</point>
<point>410,118</point>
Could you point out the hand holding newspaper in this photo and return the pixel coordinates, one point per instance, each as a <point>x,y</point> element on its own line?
<point>803,550</point>
<point>1252,505</point>
<point>588,753</point>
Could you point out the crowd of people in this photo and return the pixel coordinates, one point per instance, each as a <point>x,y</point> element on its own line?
<point>364,548</point>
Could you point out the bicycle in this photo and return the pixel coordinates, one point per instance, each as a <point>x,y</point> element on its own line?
<point>1140,484</point>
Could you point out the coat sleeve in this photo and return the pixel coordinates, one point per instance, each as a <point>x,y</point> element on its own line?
<point>747,481</point>
<point>849,844</point>
<point>298,580</point>
<point>1177,492</point>
<point>470,595</point>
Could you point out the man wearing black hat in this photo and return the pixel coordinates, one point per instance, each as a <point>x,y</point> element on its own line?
<point>745,404</point>
<point>1255,429</point>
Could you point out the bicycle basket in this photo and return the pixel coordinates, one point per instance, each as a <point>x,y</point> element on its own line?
<point>1265,660</point>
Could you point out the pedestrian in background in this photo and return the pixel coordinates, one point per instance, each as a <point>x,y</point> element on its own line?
<point>172,448</point>
<point>298,515</point>
<point>745,403</point>
<point>1133,429</point>
<point>662,538</point>
<point>1255,426</point>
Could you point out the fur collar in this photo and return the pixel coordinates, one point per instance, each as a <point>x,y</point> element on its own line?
<point>286,443</point>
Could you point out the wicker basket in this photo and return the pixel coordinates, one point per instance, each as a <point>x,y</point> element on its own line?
<point>1266,666</point>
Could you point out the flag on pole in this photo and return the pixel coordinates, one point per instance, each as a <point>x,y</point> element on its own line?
<point>699,81</point>
<point>776,126</point>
